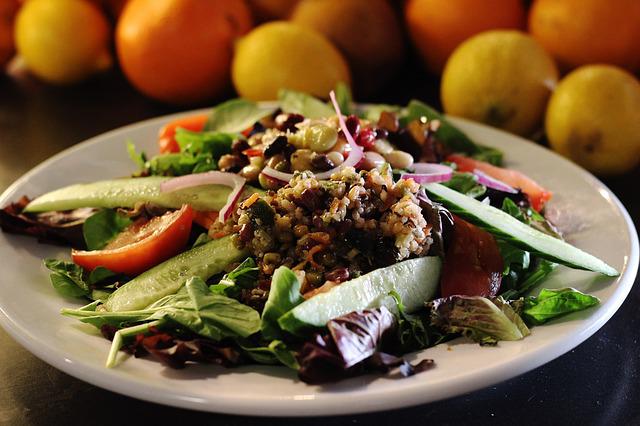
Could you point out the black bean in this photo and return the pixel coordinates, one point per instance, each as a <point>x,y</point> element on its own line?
<point>239,145</point>
<point>382,133</point>
<point>276,147</point>
<point>290,123</point>
<point>321,162</point>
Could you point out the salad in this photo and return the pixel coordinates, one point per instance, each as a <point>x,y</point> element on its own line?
<point>329,238</point>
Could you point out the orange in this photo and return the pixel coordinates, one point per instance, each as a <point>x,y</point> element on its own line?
<point>579,32</point>
<point>179,51</point>
<point>8,10</point>
<point>437,27</point>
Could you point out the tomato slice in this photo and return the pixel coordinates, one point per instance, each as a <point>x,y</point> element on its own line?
<point>473,264</point>
<point>166,136</point>
<point>536,194</point>
<point>205,218</point>
<point>142,245</point>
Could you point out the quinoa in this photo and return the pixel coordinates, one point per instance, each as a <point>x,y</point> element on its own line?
<point>332,230</point>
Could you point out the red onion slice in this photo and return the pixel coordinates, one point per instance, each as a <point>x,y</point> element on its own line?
<point>355,153</point>
<point>492,182</point>
<point>231,180</point>
<point>429,173</point>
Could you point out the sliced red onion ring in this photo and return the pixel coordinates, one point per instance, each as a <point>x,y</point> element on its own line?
<point>355,153</point>
<point>231,180</point>
<point>492,182</point>
<point>429,173</point>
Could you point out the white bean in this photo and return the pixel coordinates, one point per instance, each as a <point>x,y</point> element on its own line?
<point>335,157</point>
<point>372,160</point>
<point>399,159</point>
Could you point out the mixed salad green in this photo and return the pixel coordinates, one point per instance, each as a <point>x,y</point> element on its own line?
<point>242,241</point>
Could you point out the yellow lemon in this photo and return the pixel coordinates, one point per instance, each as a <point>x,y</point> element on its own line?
<point>62,41</point>
<point>502,78</point>
<point>285,55</point>
<point>593,118</point>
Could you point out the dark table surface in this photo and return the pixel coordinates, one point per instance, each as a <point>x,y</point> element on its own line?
<point>597,383</point>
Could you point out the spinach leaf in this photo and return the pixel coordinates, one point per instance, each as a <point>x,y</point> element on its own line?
<point>452,137</point>
<point>102,227</point>
<point>301,103</point>
<point>467,184</point>
<point>481,319</point>
<point>235,115</point>
<point>244,275</point>
<point>67,278</point>
<point>193,307</point>
<point>344,98</point>
<point>284,295</point>
<point>210,315</point>
<point>552,303</point>
<point>530,217</point>
<point>71,280</point>
<point>275,352</point>
<point>413,330</point>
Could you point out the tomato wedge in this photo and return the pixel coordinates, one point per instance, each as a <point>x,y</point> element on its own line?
<point>142,245</point>
<point>473,264</point>
<point>166,136</point>
<point>536,194</point>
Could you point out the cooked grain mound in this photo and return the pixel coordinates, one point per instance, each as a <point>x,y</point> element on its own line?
<point>335,229</point>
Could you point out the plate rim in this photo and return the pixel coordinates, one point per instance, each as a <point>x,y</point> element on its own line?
<point>300,407</point>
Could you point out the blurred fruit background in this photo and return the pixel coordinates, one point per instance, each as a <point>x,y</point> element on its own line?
<point>561,72</point>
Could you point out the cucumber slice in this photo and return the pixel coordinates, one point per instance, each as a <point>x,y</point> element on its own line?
<point>515,232</point>
<point>415,280</point>
<point>127,192</point>
<point>166,278</point>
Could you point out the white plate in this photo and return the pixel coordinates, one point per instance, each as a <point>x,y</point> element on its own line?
<point>591,215</point>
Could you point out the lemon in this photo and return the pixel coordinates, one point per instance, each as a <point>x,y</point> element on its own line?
<point>62,41</point>
<point>285,55</point>
<point>501,78</point>
<point>593,118</point>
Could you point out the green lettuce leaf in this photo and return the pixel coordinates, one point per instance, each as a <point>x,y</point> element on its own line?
<point>236,115</point>
<point>71,280</point>
<point>245,275</point>
<point>275,352</point>
<point>467,184</point>
<point>284,295</point>
<point>193,307</point>
<point>102,227</point>
<point>302,103</point>
<point>553,303</point>
<point>481,319</point>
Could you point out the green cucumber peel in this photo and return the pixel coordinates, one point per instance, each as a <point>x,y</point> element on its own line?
<point>521,235</point>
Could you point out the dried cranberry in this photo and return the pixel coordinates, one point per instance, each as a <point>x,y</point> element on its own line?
<point>366,138</point>
<point>338,275</point>
<point>276,147</point>
<point>353,125</point>
<point>246,233</point>
<point>312,199</point>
